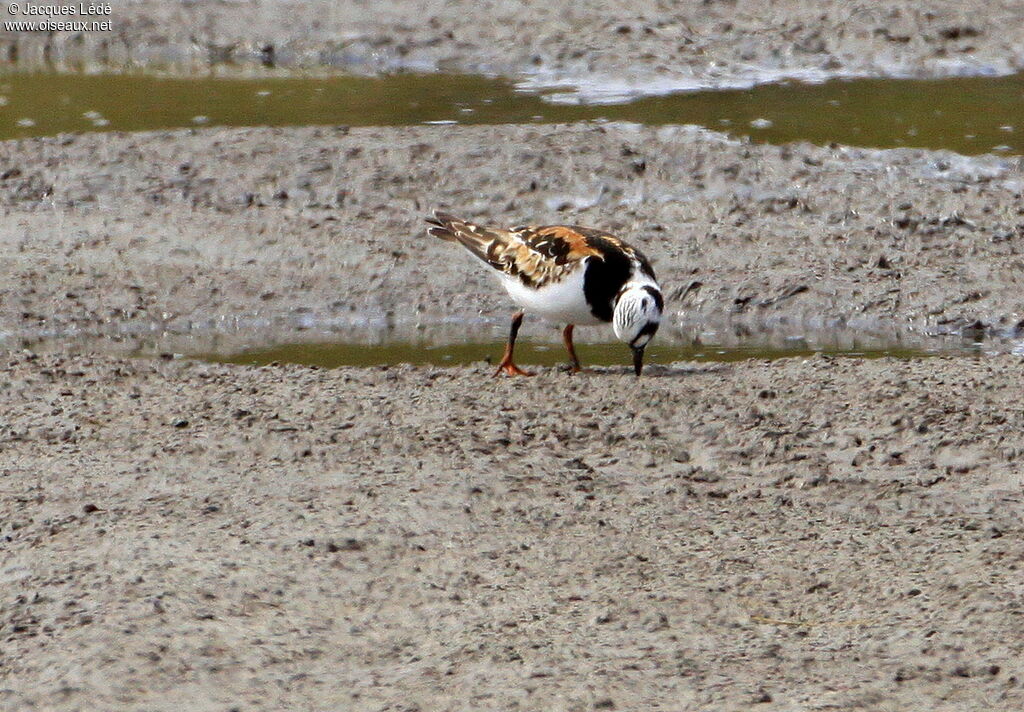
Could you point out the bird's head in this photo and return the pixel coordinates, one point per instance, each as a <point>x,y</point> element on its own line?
<point>637,317</point>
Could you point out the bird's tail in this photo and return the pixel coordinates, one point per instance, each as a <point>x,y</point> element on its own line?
<point>445,226</point>
<point>484,242</point>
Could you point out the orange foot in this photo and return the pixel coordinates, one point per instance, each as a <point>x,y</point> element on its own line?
<point>509,368</point>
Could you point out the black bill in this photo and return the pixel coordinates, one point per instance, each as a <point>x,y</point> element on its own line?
<point>638,359</point>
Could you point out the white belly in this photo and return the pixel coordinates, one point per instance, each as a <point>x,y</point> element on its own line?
<point>561,303</point>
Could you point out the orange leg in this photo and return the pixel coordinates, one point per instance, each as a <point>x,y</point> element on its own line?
<point>567,340</point>
<point>506,365</point>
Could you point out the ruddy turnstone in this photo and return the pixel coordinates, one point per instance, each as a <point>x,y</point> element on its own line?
<point>568,275</point>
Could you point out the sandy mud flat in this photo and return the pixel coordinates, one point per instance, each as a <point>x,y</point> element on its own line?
<point>801,534</point>
<point>602,49</point>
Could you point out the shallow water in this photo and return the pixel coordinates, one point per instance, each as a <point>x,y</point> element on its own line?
<point>334,355</point>
<point>362,341</point>
<point>970,115</point>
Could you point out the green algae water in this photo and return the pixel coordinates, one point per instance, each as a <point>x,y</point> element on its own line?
<point>970,115</point>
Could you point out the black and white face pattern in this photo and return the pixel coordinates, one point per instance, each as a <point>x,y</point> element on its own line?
<point>638,314</point>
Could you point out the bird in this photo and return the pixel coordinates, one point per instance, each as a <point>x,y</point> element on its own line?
<point>566,274</point>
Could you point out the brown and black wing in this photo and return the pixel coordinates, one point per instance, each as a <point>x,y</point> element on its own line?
<point>534,255</point>
<point>489,244</point>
